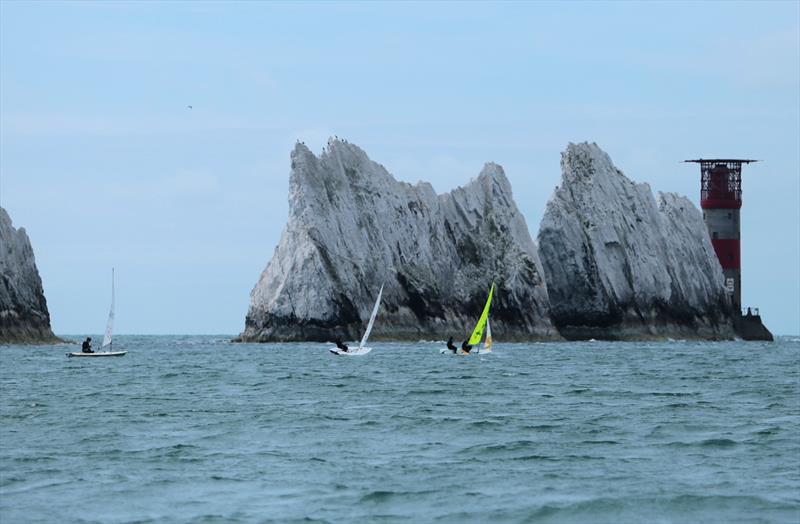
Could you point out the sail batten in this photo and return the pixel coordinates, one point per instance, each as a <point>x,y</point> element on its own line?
<point>371,320</point>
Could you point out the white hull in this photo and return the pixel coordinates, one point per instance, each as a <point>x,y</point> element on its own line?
<point>98,354</point>
<point>355,352</point>
<point>445,351</point>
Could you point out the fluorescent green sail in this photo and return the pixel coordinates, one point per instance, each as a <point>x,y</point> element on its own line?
<point>477,334</point>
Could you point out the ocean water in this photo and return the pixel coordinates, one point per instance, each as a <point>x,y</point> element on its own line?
<point>196,429</point>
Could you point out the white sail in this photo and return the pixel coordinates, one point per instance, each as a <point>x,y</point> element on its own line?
<point>487,342</point>
<point>371,320</point>
<point>110,324</point>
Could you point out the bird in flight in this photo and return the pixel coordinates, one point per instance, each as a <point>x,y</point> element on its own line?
<point>190,107</point>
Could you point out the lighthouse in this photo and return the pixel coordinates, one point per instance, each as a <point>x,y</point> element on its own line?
<point>721,201</point>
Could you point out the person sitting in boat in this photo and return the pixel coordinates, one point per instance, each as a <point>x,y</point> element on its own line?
<point>466,348</point>
<point>452,347</point>
<point>86,347</point>
<point>341,345</point>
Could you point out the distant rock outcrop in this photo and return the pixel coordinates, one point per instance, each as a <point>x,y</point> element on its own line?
<point>23,309</point>
<point>353,227</point>
<point>620,266</point>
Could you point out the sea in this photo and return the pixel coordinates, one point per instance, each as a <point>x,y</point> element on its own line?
<point>199,429</point>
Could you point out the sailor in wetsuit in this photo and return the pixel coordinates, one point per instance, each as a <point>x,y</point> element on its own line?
<point>452,347</point>
<point>341,345</point>
<point>86,347</point>
<point>465,347</point>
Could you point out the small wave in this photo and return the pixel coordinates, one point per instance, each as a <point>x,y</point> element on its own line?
<point>25,460</point>
<point>670,394</point>
<point>227,479</point>
<point>708,443</point>
<point>536,458</point>
<point>214,517</point>
<point>583,457</point>
<point>597,508</point>
<point>542,427</point>
<point>378,496</point>
<point>331,417</point>
<point>485,423</point>
<point>427,391</point>
<point>383,496</point>
<point>768,431</point>
<point>36,486</point>
<point>719,443</point>
<point>517,445</point>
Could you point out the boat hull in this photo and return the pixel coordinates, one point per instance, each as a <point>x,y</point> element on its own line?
<point>352,352</point>
<point>445,351</point>
<point>98,354</point>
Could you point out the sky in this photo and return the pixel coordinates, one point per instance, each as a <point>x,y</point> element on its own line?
<point>104,165</point>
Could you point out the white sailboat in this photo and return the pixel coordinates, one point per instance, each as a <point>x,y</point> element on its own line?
<point>362,349</point>
<point>108,336</point>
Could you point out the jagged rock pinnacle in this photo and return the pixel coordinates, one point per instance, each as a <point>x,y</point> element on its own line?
<point>352,228</point>
<point>619,265</point>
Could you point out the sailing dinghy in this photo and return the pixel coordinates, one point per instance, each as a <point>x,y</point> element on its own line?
<point>362,349</point>
<point>477,334</point>
<point>107,338</point>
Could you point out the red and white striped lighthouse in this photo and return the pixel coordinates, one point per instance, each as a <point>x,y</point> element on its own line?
<point>721,200</point>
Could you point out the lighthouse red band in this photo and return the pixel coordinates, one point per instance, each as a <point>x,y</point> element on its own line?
<point>721,200</point>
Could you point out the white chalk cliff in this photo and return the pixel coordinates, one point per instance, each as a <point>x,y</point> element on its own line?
<point>619,265</point>
<point>352,227</point>
<point>23,309</point>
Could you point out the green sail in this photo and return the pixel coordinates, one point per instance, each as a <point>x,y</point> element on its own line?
<point>477,334</point>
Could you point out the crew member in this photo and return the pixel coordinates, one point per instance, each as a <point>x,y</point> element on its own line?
<point>341,345</point>
<point>465,347</point>
<point>86,347</point>
<point>452,347</point>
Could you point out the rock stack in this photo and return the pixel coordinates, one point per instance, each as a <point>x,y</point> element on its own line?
<point>24,318</point>
<point>352,228</point>
<point>620,265</point>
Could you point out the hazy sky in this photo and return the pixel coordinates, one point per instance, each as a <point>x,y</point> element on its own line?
<point>104,165</point>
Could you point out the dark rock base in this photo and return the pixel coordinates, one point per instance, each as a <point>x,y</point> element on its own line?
<point>750,327</point>
<point>290,330</point>
<point>16,329</point>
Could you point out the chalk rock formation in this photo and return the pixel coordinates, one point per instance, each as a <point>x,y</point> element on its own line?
<point>620,266</point>
<point>23,308</point>
<point>353,227</point>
